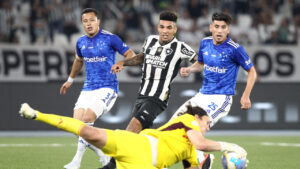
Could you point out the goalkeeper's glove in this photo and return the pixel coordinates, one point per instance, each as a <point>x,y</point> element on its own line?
<point>229,147</point>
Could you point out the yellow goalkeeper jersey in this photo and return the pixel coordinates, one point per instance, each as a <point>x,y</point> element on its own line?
<point>173,143</point>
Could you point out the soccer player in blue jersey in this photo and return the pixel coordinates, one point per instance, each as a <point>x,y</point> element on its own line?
<point>97,50</point>
<point>219,58</point>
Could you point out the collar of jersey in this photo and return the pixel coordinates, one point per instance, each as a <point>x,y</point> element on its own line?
<point>228,39</point>
<point>166,43</point>
<point>100,30</point>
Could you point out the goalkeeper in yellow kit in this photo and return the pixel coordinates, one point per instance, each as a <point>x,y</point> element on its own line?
<point>152,148</point>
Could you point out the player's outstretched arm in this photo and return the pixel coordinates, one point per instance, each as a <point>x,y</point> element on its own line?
<point>245,99</point>
<point>195,67</point>
<point>133,61</point>
<point>203,144</point>
<point>77,66</point>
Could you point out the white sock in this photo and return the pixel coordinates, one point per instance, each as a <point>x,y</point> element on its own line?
<point>200,156</point>
<point>104,159</point>
<point>81,148</point>
<point>97,151</point>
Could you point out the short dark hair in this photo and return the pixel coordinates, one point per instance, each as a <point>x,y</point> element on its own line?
<point>195,110</point>
<point>88,10</point>
<point>221,17</point>
<point>168,16</point>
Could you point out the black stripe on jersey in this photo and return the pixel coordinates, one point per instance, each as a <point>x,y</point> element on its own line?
<point>158,51</point>
<point>152,43</point>
<point>165,72</point>
<point>177,67</point>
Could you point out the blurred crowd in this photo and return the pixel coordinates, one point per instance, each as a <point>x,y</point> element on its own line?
<point>255,22</point>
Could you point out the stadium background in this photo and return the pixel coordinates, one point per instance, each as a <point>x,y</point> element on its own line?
<point>37,41</point>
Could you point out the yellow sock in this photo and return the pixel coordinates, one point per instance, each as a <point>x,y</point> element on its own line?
<point>65,123</point>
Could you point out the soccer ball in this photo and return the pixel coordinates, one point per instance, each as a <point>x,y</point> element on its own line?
<point>232,161</point>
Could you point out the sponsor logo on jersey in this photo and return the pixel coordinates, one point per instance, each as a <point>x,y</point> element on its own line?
<point>215,69</point>
<point>185,51</point>
<point>205,53</point>
<point>95,59</point>
<point>156,62</point>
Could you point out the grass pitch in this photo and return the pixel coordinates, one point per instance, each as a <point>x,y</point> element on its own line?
<point>270,152</point>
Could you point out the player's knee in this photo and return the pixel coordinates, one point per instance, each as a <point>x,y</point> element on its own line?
<point>89,116</point>
<point>145,119</point>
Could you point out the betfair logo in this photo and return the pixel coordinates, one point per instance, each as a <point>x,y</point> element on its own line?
<point>95,59</point>
<point>214,69</point>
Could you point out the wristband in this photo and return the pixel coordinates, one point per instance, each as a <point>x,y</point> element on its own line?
<point>70,79</point>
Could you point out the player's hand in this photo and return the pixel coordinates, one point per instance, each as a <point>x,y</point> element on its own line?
<point>185,71</point>
<point>245,103</point>
<point>116,68</point>
<point>64,88</point>
<point>229,147</point>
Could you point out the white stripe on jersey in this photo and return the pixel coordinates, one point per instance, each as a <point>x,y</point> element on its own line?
<point>209,37</point>
<point>168,79</point>
<point>106,32</point>
<point>232,43</point>
<point>156,82</point>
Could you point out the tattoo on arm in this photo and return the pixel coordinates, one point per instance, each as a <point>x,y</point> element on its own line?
<point>136,60</point>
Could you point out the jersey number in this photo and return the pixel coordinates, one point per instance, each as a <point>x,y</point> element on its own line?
<point>213,106</point>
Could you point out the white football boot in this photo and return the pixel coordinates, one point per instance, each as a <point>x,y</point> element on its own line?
<point>27,112</point>
<point>72,165</point>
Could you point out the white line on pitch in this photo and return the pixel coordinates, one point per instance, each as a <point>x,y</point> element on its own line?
<point>35,145</point>
<point>280,144</point>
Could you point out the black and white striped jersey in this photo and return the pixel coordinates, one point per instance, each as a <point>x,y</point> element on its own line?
<point>161,65</point>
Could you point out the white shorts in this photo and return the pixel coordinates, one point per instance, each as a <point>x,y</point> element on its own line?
<point>216,106</point>
<point>100,100</point>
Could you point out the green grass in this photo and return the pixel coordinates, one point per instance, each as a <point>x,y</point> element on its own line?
<point>34,153</point>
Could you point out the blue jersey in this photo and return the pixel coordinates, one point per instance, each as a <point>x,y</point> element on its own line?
<point>221,65</point>
<point>99,54</point>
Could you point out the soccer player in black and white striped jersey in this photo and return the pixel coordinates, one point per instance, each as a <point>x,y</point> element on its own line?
<point>161,56</point>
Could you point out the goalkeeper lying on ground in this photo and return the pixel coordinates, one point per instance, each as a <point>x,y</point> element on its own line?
<point>152,148</point>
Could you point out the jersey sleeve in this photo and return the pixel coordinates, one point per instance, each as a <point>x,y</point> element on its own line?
<point>187,52</point>
<point>118,44</point>
<point>78,52</point>
<point>144,45</point>
<point>200,56</point>
<point>242,58</point>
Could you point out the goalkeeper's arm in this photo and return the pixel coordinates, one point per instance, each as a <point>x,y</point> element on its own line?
<point>203,144</point>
